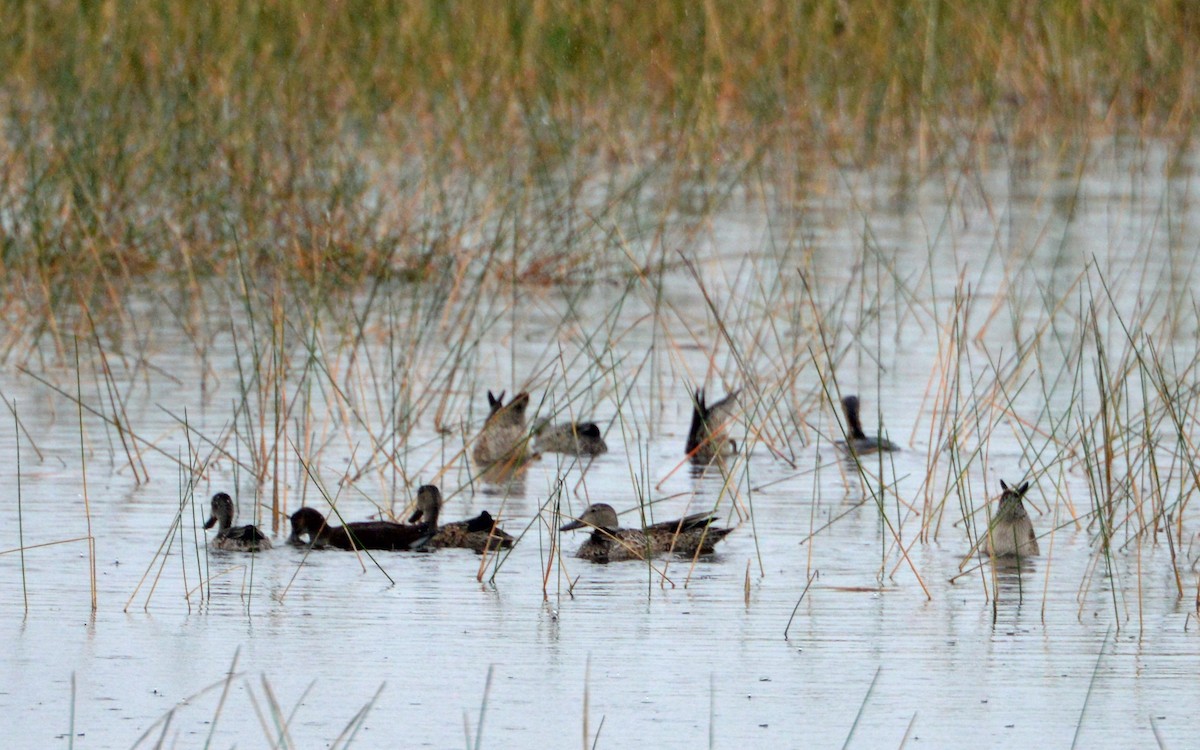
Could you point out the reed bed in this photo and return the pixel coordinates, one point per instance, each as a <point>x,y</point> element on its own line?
<point>336,146</point>
<point>1091,374</point>
<point>1093,381</point>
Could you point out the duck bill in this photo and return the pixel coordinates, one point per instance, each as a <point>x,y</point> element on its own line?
<point>416,514</point>
<point>212,521</point>
<point>572,526</point>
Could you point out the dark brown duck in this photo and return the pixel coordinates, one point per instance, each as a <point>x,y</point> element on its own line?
<point>229,537</point>
<point>383,535</point>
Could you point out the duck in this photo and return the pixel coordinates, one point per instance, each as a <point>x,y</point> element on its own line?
<point>706,439</point>
<point>857,442</point>
<point>479,533</point>
<point>358,535</point>
<point>571,438</point>
<point>503,441</point>
<point>229,537</point>
<point>688,536</point>
<point>1011,533</point>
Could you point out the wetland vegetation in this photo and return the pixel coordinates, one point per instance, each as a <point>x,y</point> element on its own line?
<point>288,251</point>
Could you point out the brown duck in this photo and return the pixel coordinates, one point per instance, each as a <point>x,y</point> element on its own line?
<point>479,533</point>
<point>1011,533</point>
<point>687,536</point>
<point>707,438</point>
<point>503,443</point>
<point>571,438</point>
<point>229,537</point>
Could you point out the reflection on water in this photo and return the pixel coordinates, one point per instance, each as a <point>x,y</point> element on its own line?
<point>892,641</point>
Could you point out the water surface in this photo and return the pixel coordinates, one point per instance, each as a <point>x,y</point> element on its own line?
<point>423,649</point>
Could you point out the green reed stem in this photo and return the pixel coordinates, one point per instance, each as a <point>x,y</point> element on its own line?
<point>1091,686</point>
<point>862,707</point>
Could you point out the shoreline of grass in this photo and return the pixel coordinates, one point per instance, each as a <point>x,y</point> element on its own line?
<point>364,139</point>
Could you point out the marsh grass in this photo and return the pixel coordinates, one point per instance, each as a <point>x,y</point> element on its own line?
<point>1081,382</point>
<point>369,208</point>
<point>1091,686</point>
<point>862,707</point>
<point>274,721</point>
<point>333,147</point>
<point>589,741</point>
<point>487,687</point>
<point>71,715</point>
<point>383,210</point>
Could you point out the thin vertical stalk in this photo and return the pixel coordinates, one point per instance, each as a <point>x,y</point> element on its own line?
<point>87,510</point>
<point>20,510</point>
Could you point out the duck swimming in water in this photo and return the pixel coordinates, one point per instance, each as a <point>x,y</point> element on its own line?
<point>707,438</point>
<point>230,537</point>
<point>571,438</point>
<point>857,442</point>
<point>503,441</point>
<point>358,535</point>
<point>687,536</point>
<point>1011,533</point>
<point>479,533</point>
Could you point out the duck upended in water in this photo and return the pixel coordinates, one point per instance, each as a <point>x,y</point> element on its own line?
<point>572,438</point>
<point>1011,533</point>
<point>687,536</point>
<point>479,533</point>
<point>358,535</point>
<point>858,442</point>
<point>707,438</point>
<point>503,441</point>
<point>235,539</point>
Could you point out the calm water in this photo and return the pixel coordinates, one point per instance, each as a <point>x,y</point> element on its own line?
<point>883,649</point>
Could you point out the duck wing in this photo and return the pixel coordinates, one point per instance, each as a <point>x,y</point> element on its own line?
<point>243,537</point>
<point>477,534</point>
<point>694,521</point>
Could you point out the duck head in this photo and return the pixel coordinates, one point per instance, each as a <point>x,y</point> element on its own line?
<point>598,516</point>
<point>429,502</point>
<point>306,521</point>
<point>222,512</point>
